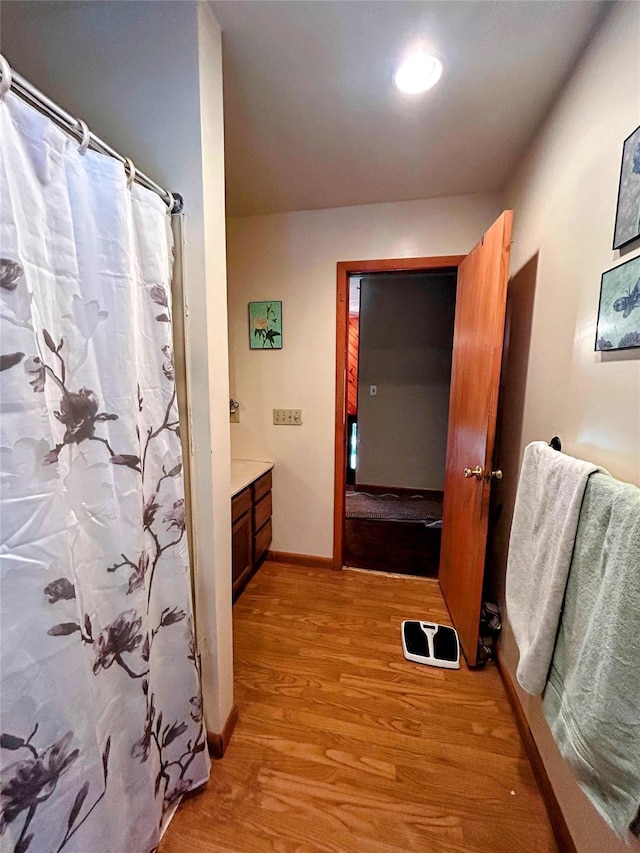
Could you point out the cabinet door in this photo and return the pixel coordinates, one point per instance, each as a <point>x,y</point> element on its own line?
<point>241,544</point>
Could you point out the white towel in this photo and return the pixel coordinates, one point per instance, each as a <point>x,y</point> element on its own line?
<point>543,532</point>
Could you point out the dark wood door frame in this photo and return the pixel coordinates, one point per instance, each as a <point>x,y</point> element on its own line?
<point>445,263</point>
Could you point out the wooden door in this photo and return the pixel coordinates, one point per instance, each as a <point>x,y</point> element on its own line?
<point>477,353</point>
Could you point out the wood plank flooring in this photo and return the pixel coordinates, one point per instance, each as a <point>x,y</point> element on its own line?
<point>344,746</point>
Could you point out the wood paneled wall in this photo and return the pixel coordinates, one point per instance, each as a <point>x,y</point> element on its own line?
<point>352,365</point>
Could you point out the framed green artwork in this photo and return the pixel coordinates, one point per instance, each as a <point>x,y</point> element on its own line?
<point>627,227</point>
<point>619,312</point>
<point>265,325</point>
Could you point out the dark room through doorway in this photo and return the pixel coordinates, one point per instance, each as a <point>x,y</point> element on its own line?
<point>400,340</point>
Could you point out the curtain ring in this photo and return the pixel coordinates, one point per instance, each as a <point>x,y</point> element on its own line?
<point>86,136</point>
<point>132,172</point>
<point>5,83</point>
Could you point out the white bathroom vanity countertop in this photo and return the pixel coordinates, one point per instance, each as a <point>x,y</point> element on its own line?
<point>245,471</point>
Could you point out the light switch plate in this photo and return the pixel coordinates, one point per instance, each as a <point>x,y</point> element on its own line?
<point>287,417</point>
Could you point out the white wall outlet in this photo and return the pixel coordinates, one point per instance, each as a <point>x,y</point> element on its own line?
<point>288,417</point>
<point>373,390</point>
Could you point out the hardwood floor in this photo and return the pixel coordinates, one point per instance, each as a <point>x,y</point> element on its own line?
<point>342,745</point>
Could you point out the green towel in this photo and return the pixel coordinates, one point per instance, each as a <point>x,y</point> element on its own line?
<point>592,699</point>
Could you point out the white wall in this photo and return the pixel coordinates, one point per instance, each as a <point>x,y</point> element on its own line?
<point>406,347</point>
<point>148,78</point>
<point>292,257</point>
<point>208,354</point>
<point>564,200</point>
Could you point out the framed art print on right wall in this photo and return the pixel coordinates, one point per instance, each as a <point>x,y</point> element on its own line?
<point>619,310</point>
<point>627,227</point>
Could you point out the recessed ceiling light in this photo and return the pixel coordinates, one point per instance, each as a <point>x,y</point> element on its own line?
<point>418,72</point>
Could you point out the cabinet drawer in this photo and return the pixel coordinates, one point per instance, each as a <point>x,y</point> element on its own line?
<point>261,512</point>
<point>262,486</point>
<point>240,504</point>
<point>261,542</point>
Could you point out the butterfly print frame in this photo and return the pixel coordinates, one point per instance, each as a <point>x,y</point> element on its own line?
<point>627,227</point>
<point>619,311</point>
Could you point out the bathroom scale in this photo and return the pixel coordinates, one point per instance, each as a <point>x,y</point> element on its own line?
<point>431,644</point>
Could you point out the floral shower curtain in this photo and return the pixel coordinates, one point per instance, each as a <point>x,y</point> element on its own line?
<point>101,726</point>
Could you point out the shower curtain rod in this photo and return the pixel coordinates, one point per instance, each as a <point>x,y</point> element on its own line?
<point>10,79</point>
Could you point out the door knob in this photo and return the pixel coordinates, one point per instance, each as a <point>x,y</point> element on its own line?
<point>496,475</point>
<point>477,472</point>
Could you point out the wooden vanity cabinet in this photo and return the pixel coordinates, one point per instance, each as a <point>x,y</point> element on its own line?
<point>251,530</point>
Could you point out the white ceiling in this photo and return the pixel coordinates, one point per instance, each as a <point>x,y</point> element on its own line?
<point>312,119</point>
